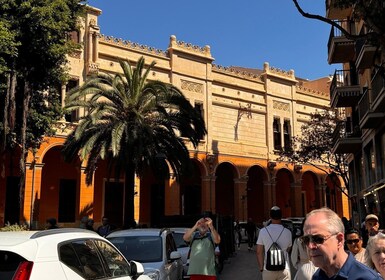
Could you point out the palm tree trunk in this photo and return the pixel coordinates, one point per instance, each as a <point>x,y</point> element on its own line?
<point>129,188</point>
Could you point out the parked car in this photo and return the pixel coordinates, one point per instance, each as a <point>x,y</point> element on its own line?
<point>154,248</point>
<point>63,254</point>
<point>182,246</point>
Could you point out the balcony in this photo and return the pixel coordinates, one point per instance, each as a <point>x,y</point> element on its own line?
<point>346,138</point>
<point>366,53</point>
<point>369,118</point>
<point>344,89</point>
<point>378,92</point>
<point>335,12</point>
<point>340,48</point>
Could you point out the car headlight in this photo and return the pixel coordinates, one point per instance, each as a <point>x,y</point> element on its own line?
<point>153,274</point>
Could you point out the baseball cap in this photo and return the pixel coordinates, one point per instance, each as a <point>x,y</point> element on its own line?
<point>275,213</point>
<point>371,217</point>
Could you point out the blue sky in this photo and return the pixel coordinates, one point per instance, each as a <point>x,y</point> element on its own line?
<point>243,33</point>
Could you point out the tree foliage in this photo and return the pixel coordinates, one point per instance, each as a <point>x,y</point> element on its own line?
<point>135,124</point>
<point>371,12</point>
<point>314,146</point>
<point>33,52</point>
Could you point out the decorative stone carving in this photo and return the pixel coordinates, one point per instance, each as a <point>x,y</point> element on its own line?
<point>191,86</point>
<point>278,105</point>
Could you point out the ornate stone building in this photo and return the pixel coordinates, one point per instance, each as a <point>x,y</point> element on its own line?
<point>250,114</point>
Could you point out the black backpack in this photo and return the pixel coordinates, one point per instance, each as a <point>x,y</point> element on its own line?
<point>275,256</point>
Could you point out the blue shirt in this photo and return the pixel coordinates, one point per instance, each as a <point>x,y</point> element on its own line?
<point>352,270</point>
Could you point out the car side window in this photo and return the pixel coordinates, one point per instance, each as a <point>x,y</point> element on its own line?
<point>116,263</point>
<point>170,245</point>
<point>82,256</point>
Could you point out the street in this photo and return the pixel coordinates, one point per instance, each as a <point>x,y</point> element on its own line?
<point>243,266</point>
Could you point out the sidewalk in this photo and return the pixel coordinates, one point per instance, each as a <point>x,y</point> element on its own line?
<point>243,265</point>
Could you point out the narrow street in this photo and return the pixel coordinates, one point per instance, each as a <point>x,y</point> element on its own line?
<point>243,266</point>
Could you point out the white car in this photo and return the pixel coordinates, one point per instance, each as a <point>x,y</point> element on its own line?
<point>63,254</point>
<point>154,248</point>
<point>182,246</point>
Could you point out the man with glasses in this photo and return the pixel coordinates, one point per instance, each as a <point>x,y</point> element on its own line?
<point>324,238</point>
<point>354,243</point>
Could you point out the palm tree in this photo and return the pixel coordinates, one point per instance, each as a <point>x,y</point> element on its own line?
<point>130,121</point>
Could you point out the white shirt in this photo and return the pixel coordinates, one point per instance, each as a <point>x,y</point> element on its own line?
<point>284,241</point>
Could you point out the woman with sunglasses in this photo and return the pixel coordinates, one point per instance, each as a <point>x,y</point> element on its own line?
<point>324,238</point>
<point>300,259</point>
<point>353,241</point>
<point>375,252</point>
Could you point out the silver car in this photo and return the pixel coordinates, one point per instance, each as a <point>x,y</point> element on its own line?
<point>154,248</point>
<point>183,246</point>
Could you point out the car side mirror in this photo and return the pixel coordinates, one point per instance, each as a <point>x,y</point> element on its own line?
<point>175,255</point>
<point>136,268</point>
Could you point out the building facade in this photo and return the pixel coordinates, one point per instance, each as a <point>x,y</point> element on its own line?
<point>250,114</point>
<point>357,91</point>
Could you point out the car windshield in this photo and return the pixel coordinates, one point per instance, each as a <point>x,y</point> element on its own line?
<point>179,241</point>
<point>139,248</point>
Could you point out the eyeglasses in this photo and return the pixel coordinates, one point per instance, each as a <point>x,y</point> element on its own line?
<point>317,239</point>
<point>351,241</point>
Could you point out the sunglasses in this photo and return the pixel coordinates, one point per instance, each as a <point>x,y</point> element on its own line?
<point>351,241</point>
<point>317,239</point>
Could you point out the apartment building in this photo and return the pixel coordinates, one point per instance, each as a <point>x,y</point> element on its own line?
<point>250,115</point>
<point>357,91</point>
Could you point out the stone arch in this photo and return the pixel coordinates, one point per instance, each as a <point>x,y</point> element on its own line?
<point>191,190</point>
<point>309,198</point>
<point>59,189</point>
<point>255,193</point>
<point>283,191</point>
<point>333,194</point>
<point>225,174</point>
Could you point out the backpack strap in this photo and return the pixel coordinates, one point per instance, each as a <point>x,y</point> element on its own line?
<point>283,228</point>
<point>195,237</point>
<point>207,235</point>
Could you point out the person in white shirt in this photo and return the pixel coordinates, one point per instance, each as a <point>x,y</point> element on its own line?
<point>275,232</point>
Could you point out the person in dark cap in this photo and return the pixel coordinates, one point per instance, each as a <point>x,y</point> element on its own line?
<point>372,227</point>
<point>274,232</point>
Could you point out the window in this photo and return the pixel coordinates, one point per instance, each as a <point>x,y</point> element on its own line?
<point>286,134</point>
<point>67,201</point>
<point>277,134</point>
<point>369,164</point>
<point>74,36</point>
<point>73,115</point>
<point>93,259</point>
<point>199,108</point>
<point>381,153</point>
<point>117,265</point>
<point>82,257</point>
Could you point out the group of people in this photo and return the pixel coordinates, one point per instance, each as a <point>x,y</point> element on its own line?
<point>325,250</point>
<point>86,223</point>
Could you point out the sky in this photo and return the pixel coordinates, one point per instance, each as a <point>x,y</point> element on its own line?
<point>243,33</point>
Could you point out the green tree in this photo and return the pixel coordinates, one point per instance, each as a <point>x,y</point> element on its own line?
<point>314,147</point>
<point>371,12</point>
<point>130,122</point>
<point>32,68</point>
